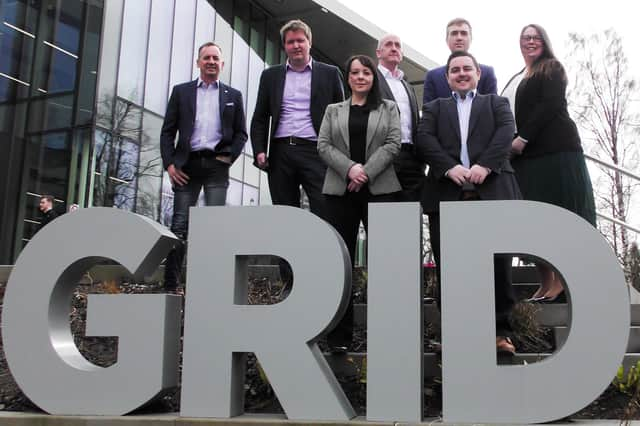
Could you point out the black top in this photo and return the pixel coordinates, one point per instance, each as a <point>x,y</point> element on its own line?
<point>358,120</point>
<point>47,217</point>
<point>542,117</point>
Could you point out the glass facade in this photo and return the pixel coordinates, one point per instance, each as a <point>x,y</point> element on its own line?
<point>83,89</point>
<point>48,71</point>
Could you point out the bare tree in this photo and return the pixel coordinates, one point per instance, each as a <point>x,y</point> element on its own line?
<point>601,100</point>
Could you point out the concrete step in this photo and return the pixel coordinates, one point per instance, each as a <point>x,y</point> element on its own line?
<point>351,364</point>
<point>633,346</point>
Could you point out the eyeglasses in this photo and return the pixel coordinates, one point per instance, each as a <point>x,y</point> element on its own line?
<point>526,38</point>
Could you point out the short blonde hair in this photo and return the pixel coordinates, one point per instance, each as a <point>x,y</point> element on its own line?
<point>295,25</point>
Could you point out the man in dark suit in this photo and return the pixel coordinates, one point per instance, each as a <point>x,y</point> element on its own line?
<point>409,169</point>
<point>46,208</point>
<point>458,39</point>
<point>465,139</point>
<point>294,97</point>
<point>209,118</point>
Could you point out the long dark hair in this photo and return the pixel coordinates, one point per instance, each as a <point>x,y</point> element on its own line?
<point>374,98</point>
<point>547,63</point>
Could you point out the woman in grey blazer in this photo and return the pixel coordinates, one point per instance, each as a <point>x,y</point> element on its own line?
<point>358,140</point>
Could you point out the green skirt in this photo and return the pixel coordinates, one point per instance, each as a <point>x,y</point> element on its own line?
<point>561,179</point>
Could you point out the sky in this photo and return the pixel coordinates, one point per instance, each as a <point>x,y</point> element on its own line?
<point>496,29</point>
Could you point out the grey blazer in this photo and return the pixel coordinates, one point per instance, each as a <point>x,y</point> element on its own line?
<point>382,146</point>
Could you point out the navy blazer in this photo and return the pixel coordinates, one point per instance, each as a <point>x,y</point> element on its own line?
<point>436,84</point>
<point>491,129</point>
<point>181,116</point>
<point>326,88</point>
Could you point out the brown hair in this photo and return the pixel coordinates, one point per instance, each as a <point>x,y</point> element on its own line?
<point>547,63</point>
<point>458,21</point>
<point>295,25</point>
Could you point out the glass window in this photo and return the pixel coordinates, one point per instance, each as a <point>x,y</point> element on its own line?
<point>159,56</point>
<point>183,56</point>
<point>133,50</point>
<point>234,193</point>
<point>256,66</point>
<point>224,36</point>
<point>116,160</point>
<point>108,66</point>
<point>150,168</point>
<point>251,173</point>
<point>235,171</point>
<point>205,25</point>
<point>250,195</point>
<point>89,65</point>
<point>166,205</point>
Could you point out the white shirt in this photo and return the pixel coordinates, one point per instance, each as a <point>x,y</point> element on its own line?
<point>464,113</point>
<point>394,80</point>
<point>207,129</point>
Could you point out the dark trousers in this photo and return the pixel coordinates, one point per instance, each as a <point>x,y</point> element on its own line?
<point>295,162</point>
<point>505,297</point>
<point>292,165</point>
<point>410,172</point>
<point>205,172</point>
<point>344,213</point>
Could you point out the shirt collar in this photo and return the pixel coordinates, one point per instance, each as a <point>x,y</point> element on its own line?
<point>309,65</point>
<point>471,94</point>
<point>201,83</point>
<point>386,72</point>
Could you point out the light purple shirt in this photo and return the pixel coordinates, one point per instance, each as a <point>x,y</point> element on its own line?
<point>295,111</point>
<point>207,129</point>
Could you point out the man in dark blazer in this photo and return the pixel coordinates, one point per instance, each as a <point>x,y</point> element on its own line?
<point>209,118</point>
<point>46,208</point>
<point>393,86</point>
<point>458,39</point>
<point>294,96</point>
<point>466,139</point>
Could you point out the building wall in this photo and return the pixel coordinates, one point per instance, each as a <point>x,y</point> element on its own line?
<point>48,66</point>
<point>148,46</point>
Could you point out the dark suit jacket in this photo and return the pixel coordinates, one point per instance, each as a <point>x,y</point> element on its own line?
<point>436,85</point>
<point>542,116</point>
<point>180,118</point>
<point>386,93</point>
<point>489,140</point>
<point>326,88</point>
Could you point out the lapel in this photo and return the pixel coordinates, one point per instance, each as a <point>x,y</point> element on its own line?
<point>476,107</point>
<point>452,112</point>
<point>278,87</point>
<point>372,125</point>
<point>343,121</point>
<point>191,98</point>
<point>223,94</point>
<point>384,87</point>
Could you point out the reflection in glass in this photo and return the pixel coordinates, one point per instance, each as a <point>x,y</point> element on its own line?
<point>133,50</point>
<point>182,52</point>
<point>159,56</point>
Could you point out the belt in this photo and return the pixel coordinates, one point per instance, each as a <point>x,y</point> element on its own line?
<point>293,140</point>
<point>205,153</point>
<point>407,147</point>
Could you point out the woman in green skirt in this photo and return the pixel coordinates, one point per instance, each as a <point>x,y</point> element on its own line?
<point>548,157</point>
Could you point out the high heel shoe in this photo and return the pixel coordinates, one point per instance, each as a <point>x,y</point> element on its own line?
<point>558,298</point>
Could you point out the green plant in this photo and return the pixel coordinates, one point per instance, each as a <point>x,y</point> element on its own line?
<point>627,383</point>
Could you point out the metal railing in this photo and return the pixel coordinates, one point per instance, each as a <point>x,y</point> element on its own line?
<point>625,172</point>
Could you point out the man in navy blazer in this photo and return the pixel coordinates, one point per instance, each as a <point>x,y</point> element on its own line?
<point>209,118</point>
<point>458,39</point>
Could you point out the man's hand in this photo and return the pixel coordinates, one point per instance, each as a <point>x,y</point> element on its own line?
<point>261,160</point>
<point>224,158</point>
<point>177,176</point>
<point>477,174</point>
<point>357,174</point>
<point>517,146</point>
<point>458,174</point>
